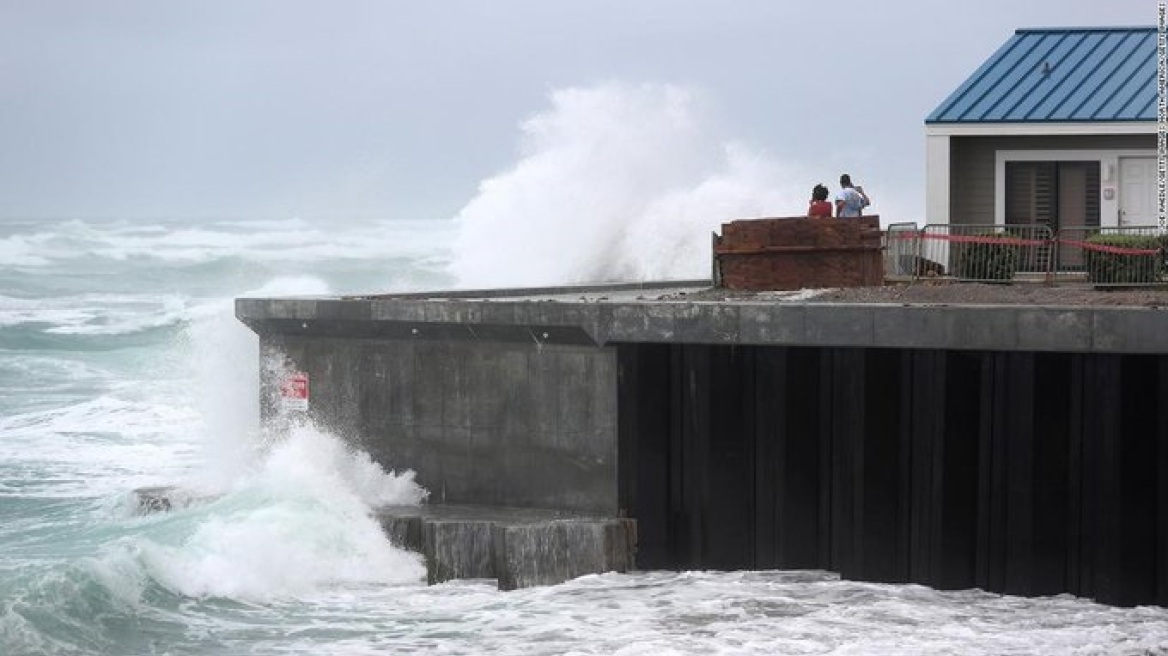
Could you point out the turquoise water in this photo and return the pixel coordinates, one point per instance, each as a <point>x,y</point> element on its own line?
<point>121,366</point>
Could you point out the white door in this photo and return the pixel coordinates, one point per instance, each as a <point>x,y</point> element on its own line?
<point>1137,191</point>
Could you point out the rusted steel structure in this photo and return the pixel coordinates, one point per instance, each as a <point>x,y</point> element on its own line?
<point>798,253</point>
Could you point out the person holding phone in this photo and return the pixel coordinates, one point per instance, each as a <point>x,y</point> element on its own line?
<point>851,200</point>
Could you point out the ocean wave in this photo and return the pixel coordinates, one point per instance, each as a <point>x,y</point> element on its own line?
<point>104,414</point>
<point>146,581</point>
<point>21,251</point>
<point>29,373</point>
<point>298,519</point>
<point>94,315</point>
<point>42,337</point>
<point>97,446</point>
<point>209,241</point>
<point>93,605</point>
<point>658,174</point>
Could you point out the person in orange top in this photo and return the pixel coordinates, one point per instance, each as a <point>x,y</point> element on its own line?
<point>819,207</point>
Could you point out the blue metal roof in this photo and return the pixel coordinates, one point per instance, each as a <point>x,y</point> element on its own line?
<point>1065,74</point>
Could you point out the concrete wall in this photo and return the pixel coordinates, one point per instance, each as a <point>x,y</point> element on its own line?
<point>1015,448</point>
<point>496,423</point>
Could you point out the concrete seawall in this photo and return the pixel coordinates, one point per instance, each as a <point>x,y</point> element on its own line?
<point>1021,449</point>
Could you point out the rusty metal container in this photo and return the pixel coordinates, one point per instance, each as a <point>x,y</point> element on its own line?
<point>798,253</point>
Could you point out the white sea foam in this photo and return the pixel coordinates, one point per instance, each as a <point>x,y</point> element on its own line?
<point>32,375</point>
<point>300,521</point>
<point>98,415</point>
<point>617,182</point>
<point>222,359</point>
<point>95,314</point>
<point>21,251</point>
<point>16,311</point>
<point>309,456</point>
<point>292,240</point>
<point>99,446</point>
<point>290,508</point>
<point>298,285</point>
<point>702,613</point>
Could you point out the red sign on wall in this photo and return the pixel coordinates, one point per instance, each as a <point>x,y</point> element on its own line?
<point>294,391</point>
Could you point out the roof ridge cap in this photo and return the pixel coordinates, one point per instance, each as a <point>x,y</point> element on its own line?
<point>1115,28</point>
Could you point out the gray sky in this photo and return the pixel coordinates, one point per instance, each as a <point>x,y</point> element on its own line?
<point>387,109</point>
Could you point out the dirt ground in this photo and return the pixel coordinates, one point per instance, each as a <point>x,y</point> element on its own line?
<point>955,293</point>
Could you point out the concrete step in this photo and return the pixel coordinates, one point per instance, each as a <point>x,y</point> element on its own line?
<point>519,547</point>
<point>164,498</point>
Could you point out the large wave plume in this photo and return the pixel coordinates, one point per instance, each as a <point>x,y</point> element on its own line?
<point>616,182</point>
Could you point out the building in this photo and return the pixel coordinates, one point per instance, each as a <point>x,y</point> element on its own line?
<point>1057,128</point>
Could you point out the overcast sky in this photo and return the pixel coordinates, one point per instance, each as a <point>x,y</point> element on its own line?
<point>387,109</point>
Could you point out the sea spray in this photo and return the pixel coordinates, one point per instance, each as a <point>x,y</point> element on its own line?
<point>616,182</point>
<point>224,374</point>
<point>293,504</point>
<point>301,522</point>
<point>273,513</point>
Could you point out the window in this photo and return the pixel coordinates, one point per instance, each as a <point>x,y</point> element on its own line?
<point>1054,194</point>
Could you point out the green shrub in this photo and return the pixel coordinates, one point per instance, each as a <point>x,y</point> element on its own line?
<point>1104,268</point>
<point>986,260</point>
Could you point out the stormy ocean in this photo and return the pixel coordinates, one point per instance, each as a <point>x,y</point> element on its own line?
<point>121,366</point>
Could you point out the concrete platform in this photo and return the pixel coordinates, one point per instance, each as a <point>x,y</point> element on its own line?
<point>676,313</point>
<point>165,498</point>
<point>519,547</point>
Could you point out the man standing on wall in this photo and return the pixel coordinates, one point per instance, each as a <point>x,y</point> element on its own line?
<point>851,200</point>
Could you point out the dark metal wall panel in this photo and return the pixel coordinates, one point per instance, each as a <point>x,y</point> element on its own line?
<point>845,373</point>
<point>955,474</point>
<point>1025,473</point>
<point>1137,481</point>
<point>926,412</point>
<point>881,544</point>
<point>1052,489</point>
<point>645,454</point>
<point>727,463</point>
<point>1078,524</point>
<point>798,464</point>
<point>1017,443</point>
<point>1103,495</point>
<point>768,387</point>
<point>1161,412</point>
<point>993,503</point>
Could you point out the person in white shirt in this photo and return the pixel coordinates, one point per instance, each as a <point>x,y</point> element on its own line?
<point>851,200</point>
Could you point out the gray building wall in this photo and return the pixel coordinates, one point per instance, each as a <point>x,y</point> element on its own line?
<point>972,161</point>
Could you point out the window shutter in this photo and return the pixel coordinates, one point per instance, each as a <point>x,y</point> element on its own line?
<point>1030,193</point>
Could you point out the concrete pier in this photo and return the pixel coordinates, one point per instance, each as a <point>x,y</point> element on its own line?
<point>1021,449</point>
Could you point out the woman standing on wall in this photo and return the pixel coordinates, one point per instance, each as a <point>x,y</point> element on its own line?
<point>819,207</point>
